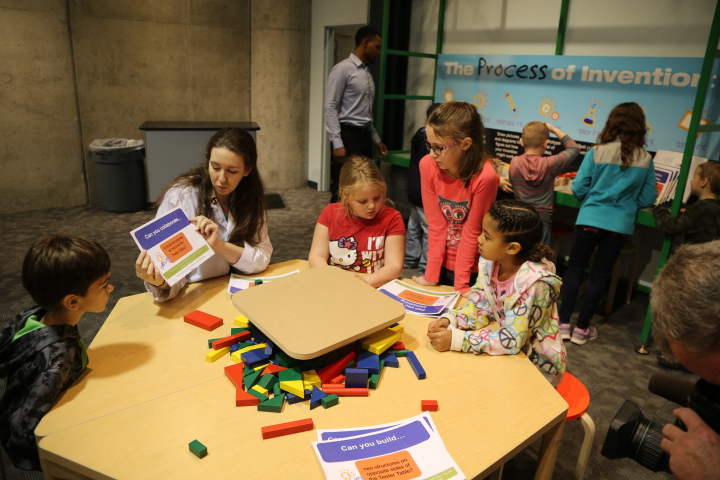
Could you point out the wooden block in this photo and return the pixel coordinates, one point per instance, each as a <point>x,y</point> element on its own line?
<point>294,386</point>
<point>276,389</point>
<point>260,389</point>
<point>398,346</point>
<point>241,321</point>
<point>255,358</point>
<point>401,353</point>
<point>267,381</point>
<point>274,404</point>
<point>291,399</point>
<point>390,359</point>
<point>397,328</point>
<point>311,379</point>
<point>252,379</point>
<point>269,347</point>
<point>272,431</point>
<point>429,405</point>
<point>273,368</point>
<point>210,340</point>
<point>316,397</point>
<point>356,378</point>
<point>333,370</point>
<point>416,366</point>
<point>290,375</point>
<point>235,330</point>
<point>198,449</point>
<point>232,339</point>
<point>245,399</point>
<point>203,320</point>
<point>380,341</point>
<point>257,394</point>
<point>329,401</point>
<point>374,381</point>
<point>215,354</point>
<point>338,379</point>
<point>369,361</point>
<point>235,374</point>
<point>346,392</point>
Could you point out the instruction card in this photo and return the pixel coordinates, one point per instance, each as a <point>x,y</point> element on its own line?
<point>402,451</point>
<point>173,244</point>
<point>241,282</point>
<point>420,301</point>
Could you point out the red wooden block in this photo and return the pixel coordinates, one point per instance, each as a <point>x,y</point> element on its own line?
<point>203,320</point>
<point>272,368</point>
<point>337,380</point>
<point>429,405</point>
<point>272,431</point>
<point>333,370</point>
<point>341,391</point>
<point>231,340</point>
<point>398,346</point>
<point>244,399</point>
<point>235,374</point>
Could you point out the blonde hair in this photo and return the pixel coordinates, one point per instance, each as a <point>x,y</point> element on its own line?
<point>357,171</point>
<point>534,134</point>
<point>457,121</point>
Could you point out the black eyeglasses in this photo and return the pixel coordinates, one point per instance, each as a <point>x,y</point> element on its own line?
<point>438,150</point>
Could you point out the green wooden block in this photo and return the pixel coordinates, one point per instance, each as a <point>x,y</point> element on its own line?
<point>284,360</point>
<point>276,389</point>
<point>290,375</point>
<point>252,379</point>
<point>210,340</point>
<point>274,404</point>
<point>236,330</point>
<point>257,394</point>
<point>198,449</point>
<point>248,371</point>
<point>267,381</point>
<point>401,353</point>
<point>330,400</point>
<point>374,380</point>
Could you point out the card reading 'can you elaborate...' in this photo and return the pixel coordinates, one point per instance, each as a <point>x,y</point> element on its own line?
<point>173,244</point>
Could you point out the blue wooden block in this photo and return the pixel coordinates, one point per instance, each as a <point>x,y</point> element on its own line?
<point>308,393</point>
<point>416,366</point>
<point>369,361</point>
<point>356,378</point>
<point>316,398</point>
<point>254,357</point>
<point>390,359</point>
<point>290,398</point>
<point>269,347</point>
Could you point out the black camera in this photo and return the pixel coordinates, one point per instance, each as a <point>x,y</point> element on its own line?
<point>632,435</point>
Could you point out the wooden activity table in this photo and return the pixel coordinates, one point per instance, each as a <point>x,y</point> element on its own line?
<point>134,414</point>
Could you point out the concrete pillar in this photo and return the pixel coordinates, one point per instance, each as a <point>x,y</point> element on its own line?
<point>280,89</point>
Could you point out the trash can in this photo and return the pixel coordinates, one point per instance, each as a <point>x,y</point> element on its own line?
<point>120,174</point>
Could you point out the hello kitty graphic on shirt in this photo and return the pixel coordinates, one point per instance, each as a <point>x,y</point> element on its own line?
<point>344,253</point>
<point>455,214</point>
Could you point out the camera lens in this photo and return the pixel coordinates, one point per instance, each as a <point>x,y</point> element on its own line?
<point>645,446</point>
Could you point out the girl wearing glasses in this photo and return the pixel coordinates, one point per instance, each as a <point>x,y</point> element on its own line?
<point>459,184</point>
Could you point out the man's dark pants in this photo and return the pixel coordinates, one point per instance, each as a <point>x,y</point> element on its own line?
<point>357,141</point>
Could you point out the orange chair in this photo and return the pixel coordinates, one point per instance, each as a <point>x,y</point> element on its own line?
<point>578,398</point>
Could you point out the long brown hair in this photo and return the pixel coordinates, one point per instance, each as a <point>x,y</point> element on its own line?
<point>457,121</point>
<point>247,201</point>
<point>626,122</point>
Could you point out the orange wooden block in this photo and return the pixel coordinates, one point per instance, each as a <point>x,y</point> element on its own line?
<point>398,346</point>
<point>203,320</point>
<point>337,380</point>
<point>272,368</point>
<point>341,391</point>
<point>244,399</point>
<point>333,370</point>
<point>272,431</point>
<point>231,340</point>
<point>235,374</point>
<point>429,405</point>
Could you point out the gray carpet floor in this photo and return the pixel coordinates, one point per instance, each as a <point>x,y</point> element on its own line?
<point>608,366</point>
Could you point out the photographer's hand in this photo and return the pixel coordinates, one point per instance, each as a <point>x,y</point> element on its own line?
<point>694,454</point>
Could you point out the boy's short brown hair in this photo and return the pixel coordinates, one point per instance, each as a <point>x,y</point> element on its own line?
<point>534,134</point>
<point>711,171</point>
<point>59,265</point>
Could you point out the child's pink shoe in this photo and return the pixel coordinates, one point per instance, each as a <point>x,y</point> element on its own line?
<point>565,331</point>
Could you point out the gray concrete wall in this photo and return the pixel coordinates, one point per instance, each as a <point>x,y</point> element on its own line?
<point>280,72</point>
<point>75,70</point>
<point>40,146</point>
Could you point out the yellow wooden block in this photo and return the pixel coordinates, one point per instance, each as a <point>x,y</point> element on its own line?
<point>252,347</point>
<point>380,341</point>
<point>215,354</point>
<point>260,389</point>
<point>241,321</point>
<point>295,387</point>
<point>397,328</point>
<point>261,366</point>
<point>236,355</point>
<point>311,379</point>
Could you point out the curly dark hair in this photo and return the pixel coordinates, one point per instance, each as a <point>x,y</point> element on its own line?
<point>626,122</point>
<point>519,222</point>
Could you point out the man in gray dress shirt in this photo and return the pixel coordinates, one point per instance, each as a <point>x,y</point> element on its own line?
<point>348,105</point>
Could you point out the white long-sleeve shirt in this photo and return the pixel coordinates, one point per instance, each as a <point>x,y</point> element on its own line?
<point>254,258</point>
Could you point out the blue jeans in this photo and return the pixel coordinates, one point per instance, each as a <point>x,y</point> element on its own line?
<point>416,240</point>
<point>609,244</point>
<point>547,234</point>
